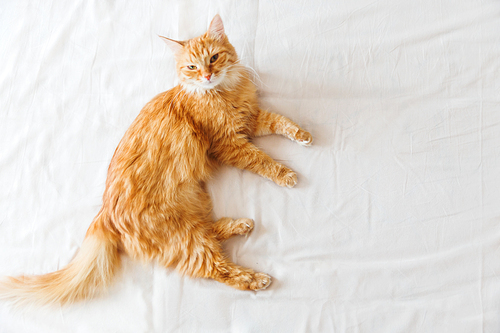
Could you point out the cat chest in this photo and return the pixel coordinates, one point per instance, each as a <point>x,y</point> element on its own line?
<point>235,118</point>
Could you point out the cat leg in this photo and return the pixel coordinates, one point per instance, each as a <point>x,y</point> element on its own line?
<point>227,227</point>
<point>240,277</point>
<point>272,123</point>
<point>244,155</point>
<point>202,257</point>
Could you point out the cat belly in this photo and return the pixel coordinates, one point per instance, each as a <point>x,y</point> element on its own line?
<point>162,228</point>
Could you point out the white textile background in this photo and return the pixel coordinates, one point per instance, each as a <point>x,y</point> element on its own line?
<point>394,225</point>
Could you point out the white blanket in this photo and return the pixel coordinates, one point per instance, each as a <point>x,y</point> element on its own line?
<point>394,225</point>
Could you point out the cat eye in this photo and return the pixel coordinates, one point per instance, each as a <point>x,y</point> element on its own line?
<point>214,58</point>
<point>192,67</point>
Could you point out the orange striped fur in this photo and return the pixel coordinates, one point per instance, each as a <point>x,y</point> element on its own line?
<point>155,205</point>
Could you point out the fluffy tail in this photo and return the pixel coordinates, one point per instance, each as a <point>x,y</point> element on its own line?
<point>88,273</point>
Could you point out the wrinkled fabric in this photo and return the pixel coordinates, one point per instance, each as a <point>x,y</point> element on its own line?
<point>394,225</point>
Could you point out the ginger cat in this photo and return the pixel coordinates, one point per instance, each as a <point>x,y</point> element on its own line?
<point>155,205</point>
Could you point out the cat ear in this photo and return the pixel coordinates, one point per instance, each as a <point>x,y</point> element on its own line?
<point>174,45</point>
<point>216,27</point>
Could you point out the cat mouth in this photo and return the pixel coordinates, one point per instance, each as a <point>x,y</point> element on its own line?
<point>204,84</point>
<point>210,83</point>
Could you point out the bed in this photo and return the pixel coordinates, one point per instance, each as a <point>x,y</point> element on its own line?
<point>394,225</point>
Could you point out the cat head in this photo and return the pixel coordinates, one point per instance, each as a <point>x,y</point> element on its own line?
<point>206,62</point>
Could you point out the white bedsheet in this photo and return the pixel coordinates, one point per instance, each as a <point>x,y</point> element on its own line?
<point>394,225</point>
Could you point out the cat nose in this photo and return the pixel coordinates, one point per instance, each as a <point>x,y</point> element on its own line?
<point>208,76</point>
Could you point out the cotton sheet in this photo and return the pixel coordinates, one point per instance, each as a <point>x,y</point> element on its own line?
<point>394,225</point>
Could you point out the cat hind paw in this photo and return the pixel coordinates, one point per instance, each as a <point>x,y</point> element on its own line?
<point>260,281</point>
<point>243,226</point>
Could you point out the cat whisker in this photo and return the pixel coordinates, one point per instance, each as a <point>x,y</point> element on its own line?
<point>252,73</point>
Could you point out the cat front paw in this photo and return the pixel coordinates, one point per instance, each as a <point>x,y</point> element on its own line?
<point>303,138</point>
<point>286,177</point>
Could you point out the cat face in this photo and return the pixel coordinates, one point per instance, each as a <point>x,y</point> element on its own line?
<point>206,62</point>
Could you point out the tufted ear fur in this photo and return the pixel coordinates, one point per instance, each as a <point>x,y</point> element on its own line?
<point>216,27</point>
<point>174,45</point>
